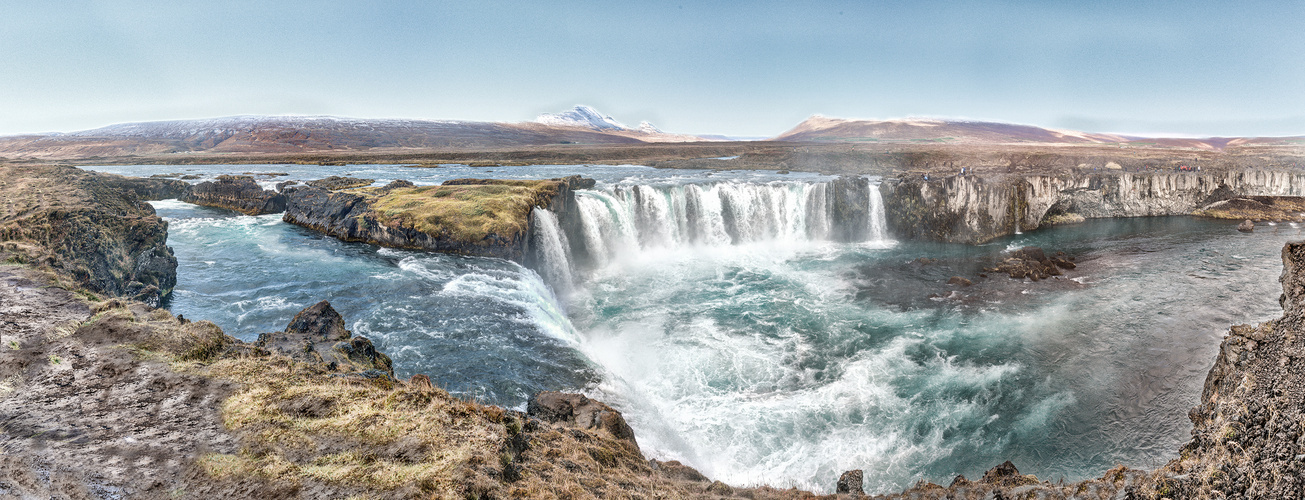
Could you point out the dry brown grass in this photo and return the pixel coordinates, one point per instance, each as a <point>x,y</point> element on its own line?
<point>300,423</point>
<point>463,213</point>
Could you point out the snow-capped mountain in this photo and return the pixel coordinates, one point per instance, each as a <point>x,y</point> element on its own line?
<point>581,116</point>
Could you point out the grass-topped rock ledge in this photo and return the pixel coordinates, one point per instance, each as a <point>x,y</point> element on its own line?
<point>482,217</point>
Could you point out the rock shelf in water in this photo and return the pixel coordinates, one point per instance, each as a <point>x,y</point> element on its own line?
<point>482,217</point>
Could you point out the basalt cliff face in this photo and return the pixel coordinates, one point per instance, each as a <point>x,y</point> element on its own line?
<point>973,209</point>
<point>94,228</point>
<point>481,217</point>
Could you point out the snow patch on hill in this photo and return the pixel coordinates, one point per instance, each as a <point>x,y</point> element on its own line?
<point>584,117</point>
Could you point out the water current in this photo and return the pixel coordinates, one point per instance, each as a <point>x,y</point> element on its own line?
<point>714,310</point>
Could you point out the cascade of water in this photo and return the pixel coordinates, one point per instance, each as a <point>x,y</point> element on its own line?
<point>639,217</point>
<point>628,218</point>
<point>552,247</point>
<point>878,222</point>
<point>817,216</point>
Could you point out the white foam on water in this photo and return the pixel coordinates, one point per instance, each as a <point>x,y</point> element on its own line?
<point>172,204</point>
<point>520,287</point>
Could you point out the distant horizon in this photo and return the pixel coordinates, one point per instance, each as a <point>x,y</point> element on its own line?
<point>1202,68</point>
<point>701,134</point>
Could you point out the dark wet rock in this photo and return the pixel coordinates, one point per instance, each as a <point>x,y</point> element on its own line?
<point>957,280</point>
<point>579,411</point>
<point>1246,226</point>
<point>280,186</point>
<point>236,192</point>
<point>1033,263</point>
<point>317,335</point>
<point>336,182</point>
<point>850,483</point>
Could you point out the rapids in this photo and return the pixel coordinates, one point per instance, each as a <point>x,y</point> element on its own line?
<point>738,333</point>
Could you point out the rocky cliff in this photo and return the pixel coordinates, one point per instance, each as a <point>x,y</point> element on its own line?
<point>94,228</point>
<point>236,192</point>
<point>974,209</point>
<point>483,217</point>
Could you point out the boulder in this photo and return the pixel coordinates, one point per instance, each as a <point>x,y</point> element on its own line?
<point>1033,263</point>
<point>957,280</point>
<point>1246,226</point>
<point>850,483</point>
<point>317,335</point>
<point>396,184</point>
<point>236,192</point>
<point>576,410</point>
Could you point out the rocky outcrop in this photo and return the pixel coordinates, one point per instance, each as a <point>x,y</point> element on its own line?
<point>579,411</point>
<point>236,192</point>
<point>974,209</point>
<point>95,228</point>
<point>336,182</point>
<point>849,483</point>
<point>1033,263</point>
<point>482,217</point>
<point>317,335</point>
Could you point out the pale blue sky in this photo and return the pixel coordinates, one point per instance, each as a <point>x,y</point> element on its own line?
<point>739,68</point>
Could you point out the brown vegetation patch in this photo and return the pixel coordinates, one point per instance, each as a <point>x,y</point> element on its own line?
<point>466,213</point>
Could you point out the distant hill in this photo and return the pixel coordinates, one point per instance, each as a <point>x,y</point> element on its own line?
<point>292,134</point>
<point>923,130</point>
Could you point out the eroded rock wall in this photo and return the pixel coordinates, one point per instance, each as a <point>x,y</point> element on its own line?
<point>973,209</point>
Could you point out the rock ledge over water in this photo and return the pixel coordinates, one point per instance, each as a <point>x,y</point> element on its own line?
<point>481,217</point>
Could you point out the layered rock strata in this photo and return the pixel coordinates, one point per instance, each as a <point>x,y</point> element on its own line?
<point>236,192</point>
<point>972,209</point>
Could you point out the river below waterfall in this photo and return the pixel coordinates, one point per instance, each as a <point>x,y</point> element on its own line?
<point>713,309</point>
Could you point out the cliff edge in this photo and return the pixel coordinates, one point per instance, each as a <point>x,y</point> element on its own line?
<point>94,228</point>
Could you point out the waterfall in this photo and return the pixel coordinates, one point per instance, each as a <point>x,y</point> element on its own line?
<point>878,230</point>
<point>626,219</point>
<point>553,249</point>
